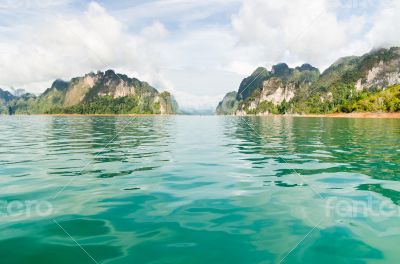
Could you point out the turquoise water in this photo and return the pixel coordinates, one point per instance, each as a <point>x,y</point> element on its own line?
<point>184,189</point>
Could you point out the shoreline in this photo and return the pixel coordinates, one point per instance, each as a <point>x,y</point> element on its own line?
<point>372,115</point>
<point>332,115</point>
<point>355,115</point>
<point>105,115</point>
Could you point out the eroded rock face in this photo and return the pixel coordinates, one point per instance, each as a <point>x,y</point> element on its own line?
<point>276,92</point>
<point>78,88</point>
<point>380,76</point>
<point>123,90</point>
<point>167,103</point>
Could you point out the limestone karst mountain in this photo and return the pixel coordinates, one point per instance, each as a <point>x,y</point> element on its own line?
<point>94,93</point>
<point>350,84</point>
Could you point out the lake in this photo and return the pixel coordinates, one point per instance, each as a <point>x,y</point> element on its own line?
<point>192,189</point>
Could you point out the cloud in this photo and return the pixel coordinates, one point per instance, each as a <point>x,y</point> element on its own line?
<point>67,46</point>
<point>179,13</point>
<point>291,30</point>
<point>316,32</point>
<point>385,25</point>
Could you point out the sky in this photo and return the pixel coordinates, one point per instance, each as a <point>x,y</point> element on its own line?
<point>198,50</point>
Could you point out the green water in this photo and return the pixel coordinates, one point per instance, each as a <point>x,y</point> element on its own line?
<point>199,190</point>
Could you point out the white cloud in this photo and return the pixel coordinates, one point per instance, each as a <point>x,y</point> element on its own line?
<point>155,32</point>
<point>317,32</point>
<point>191,102</point>
<point>182,12</point>
<point>70,46</point>
<point>291,30</point>
<point>385,25</point>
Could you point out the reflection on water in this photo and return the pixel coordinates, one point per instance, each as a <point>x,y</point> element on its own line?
<point>198,189</point>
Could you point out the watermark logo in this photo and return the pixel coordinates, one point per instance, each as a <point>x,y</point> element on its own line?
<point>26,208</point>
<point>348,208</point>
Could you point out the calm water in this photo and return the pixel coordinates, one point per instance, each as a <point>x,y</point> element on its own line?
<point>199,190</point>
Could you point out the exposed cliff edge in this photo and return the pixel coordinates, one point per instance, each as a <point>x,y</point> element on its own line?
<point>95,93</point>
<point>346,86</point>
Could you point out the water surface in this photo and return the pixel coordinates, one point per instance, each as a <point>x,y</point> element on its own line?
<point>186,189</point>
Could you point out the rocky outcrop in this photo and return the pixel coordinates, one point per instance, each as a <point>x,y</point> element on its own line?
<point>228,105</point>
<point>272,88</point>
<point>380,76</point>
<point>275,91</point>
<point>101,92</point>
<point>303,89</point>
<point>168,104</point>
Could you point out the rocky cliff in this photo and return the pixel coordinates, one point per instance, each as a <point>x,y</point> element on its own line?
<point>304,90</point>
<point>96,93</point>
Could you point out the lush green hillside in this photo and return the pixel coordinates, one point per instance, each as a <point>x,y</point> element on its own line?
<point>94,93</point>
<point>346,86</point>
<point>387,100</point>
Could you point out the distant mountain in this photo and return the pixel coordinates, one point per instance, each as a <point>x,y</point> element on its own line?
<point>95,93</point>
<point>18,92</point>
<point>229,104</point>
<point>5,98</point>
<point>340,88</point>
<point>195,111</point>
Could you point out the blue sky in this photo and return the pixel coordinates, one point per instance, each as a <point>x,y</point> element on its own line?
<point>199,50</point>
